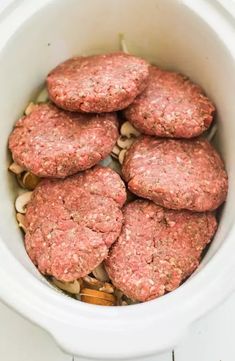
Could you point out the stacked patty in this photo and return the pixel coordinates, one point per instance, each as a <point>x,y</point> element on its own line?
<point>72,223</point>
<point>171,106</point>
<point>157,248</point>
<point>99,83</point>
<point>53,143</point>
<point>176,174</point>
<point>152,244</point>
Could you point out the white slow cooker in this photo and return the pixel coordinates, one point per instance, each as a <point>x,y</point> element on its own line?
<point>195,37</point>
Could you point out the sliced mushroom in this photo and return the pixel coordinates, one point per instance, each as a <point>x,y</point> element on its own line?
<point>107,287</point>
<point>30,181</point>
<point>124,143</point>
<point>100,273</point>
<point>128,130</point>
<point>29,108</point>
<point>97,297</point>
<point>122,155</point>
<point>43,96</point>
<point>115,152</point>
<point>70,287</point>
<point>16,168</point>
<point>21,219</point>
<point>20,180</point>
<point>129,301</point>
<point>21,201</point>
<point>124,303</point>
<point>92,282</point>
<point>119,295</point>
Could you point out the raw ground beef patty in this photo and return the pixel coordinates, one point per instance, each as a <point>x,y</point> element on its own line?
<point>71,223</point>
<point>50,142</point>
<point>98,83</point>
<point>157,249</point>
<point>170,106</point>
<point>176,174</point>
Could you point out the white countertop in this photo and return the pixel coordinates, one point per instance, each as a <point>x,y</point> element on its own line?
<point>210,339</point>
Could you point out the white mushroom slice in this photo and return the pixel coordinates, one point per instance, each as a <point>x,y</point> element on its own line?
<point>128,130</point>
<point>21,221</point>
<point>122,155</point>
<point>107,287</point>
<point>20,181</point>
<point>115,152</point>
<point>30,181</point>
<point>119,296</point>
<point>16,168</point>
<point>43,96</point>
<point>124,142</point>
<point>100,273</point>
<point>21,201</point>
<point>71,287</point>
<point>92,282</point>
<point>29,108</point>
<point>124,303</point>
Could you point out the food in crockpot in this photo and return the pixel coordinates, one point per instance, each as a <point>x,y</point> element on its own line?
<point>16,168</point>
<point>43,96</point>
<point>21,221</point>
<point>77,232</point>
<point>98,83</point>
<point>29,108</point>
<point>97,297</point>
<point>70,227</point>
<point>127,130</point>
<point>22,201</point>
<point>92,281</point>
<point>170,106</point>
<point>157,249</point>
<point>30,180</point>
<point>105,182</point>
<point>128,134</point>
<point>70,287</point>
<point>50,142</point>
<point>176,174</point>
<point>121,155</point>
<point>100,273</point>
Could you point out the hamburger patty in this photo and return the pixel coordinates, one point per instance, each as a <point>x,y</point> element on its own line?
<point>157,249</point>
<point>171,106</point>
<point>69,227</point>
<point>176,174</point>
<point>98,83</point>
<point>50,142</point>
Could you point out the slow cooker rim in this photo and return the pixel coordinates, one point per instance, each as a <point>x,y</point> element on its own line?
<point>199,278</point>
